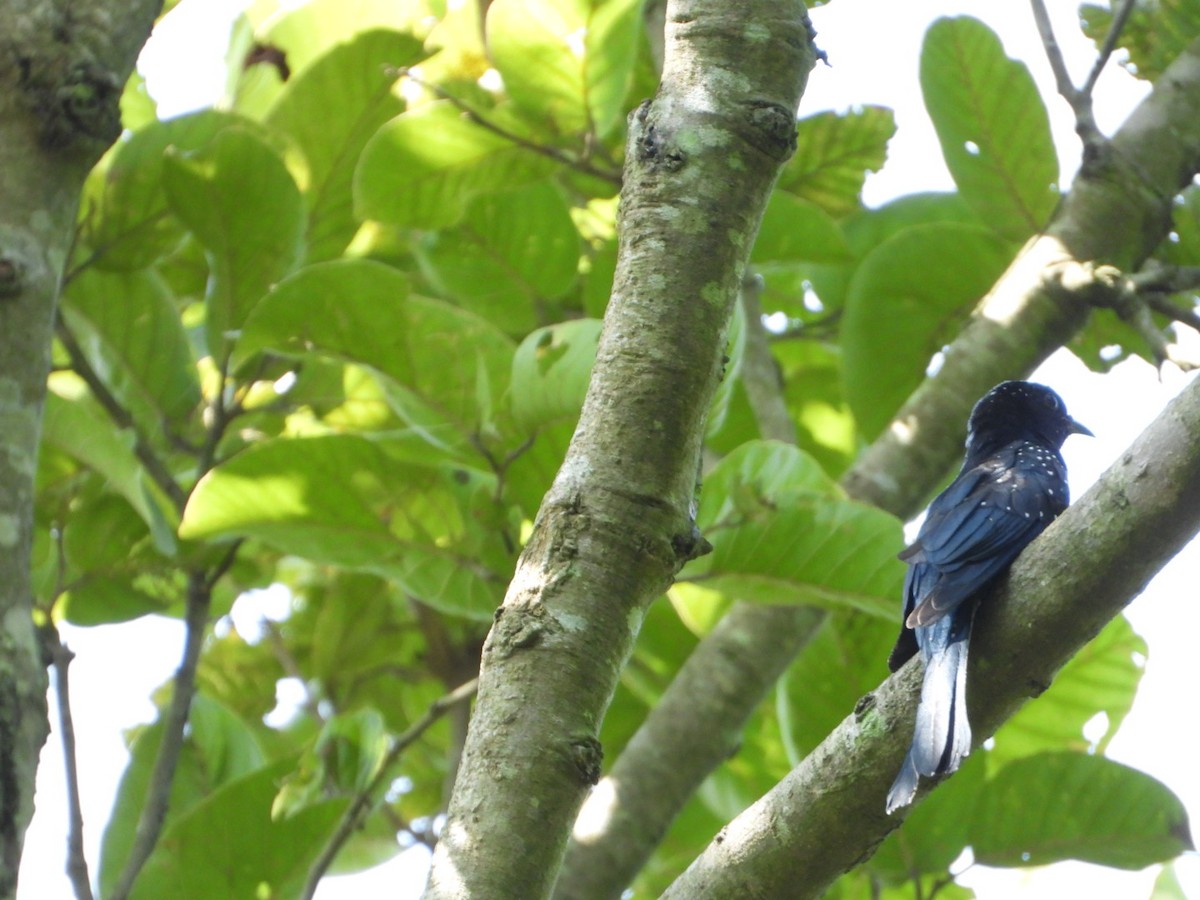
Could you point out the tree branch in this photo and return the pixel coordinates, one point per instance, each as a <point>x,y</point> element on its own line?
<point>617,524</point>
<point>60,660</point>
<point>158,793</point>
<point>63,65</point>
<point>1118,211</point>
<point>822,818</point>
<point>120,416</point>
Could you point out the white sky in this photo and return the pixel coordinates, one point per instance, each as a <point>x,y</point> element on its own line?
<point>873,47</point>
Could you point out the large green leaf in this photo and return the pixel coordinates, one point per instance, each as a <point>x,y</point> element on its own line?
<point>550,373</point>
<point>567,62</point>
<point>907,298</point>
<point>796,229</point>
<point>1102,678</point>
<point>512,253</point>
<point>126,219</point>
<point>992,125</point>
<point>423,167</point>
<point>845,660</point>
<point>782,532</point>
<point>74,423</point>
<point>238,198</point>
<point>448,369</point>
<point>866,229</point>
<point>1091,808</point>
<point>219,749</point>
<point>134,339</point>
<point>352,86</point>
<point>1154,35</point>
<point>345,500</point>
<point>202,854</point>
<point>834,153</point>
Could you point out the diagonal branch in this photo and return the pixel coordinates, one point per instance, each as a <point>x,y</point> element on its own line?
<point>827,813</point>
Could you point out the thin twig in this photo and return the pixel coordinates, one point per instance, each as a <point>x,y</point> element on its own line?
<point>77,867</point>
<point>154,811</point>
<point>1110,43</point>
<point>358,808</point>
<point>120,416</point>
<point>1080,101</point>
<point>559,156</point>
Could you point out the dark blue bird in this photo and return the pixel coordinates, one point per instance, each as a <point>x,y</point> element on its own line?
<point>1012,485</point>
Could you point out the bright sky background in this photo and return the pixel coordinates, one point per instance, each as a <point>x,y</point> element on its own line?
<point>873,47</point>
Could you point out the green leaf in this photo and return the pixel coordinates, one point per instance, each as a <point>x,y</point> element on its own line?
<point>218,749</point>
<point>569,62</point>
<point>1101,678</point>
<point>1155,34</point>
<point>345,500</point>
<point>352,86</point>
<point>361,311</point>
<point>126,219</point>
<point>795,229</point>
<point>1101,812</point>
<point>423,167</point>
<point>132,335</point>
<point>74,423</point>
<point>782,532</point>
<point>238,198</point>
<point>108,599</point>
<point>834,153</point>
<point>343,760</point>
<point>866,229</point>
<point>845,659</point>
<point>909,296</point>
<point>514,251</point>
<point>550,372</point>
<point>201,856</point>
<point>992,125</point>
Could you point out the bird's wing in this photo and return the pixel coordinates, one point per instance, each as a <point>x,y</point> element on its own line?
<point>975,528</point>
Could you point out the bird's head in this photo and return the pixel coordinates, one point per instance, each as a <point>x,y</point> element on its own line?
<point>1021,410</point>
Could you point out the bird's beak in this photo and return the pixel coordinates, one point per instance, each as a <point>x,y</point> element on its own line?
<point>1076,428</point>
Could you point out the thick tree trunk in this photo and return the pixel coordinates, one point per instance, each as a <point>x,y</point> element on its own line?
<point>62,67</point>
<point>618,523</point>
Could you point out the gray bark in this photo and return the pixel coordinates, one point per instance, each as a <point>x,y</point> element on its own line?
<point>617,523</point>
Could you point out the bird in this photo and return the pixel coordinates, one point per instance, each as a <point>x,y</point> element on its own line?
<point>1013,483</point>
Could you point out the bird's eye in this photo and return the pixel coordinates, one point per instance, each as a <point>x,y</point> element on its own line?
<point>1049,401</point>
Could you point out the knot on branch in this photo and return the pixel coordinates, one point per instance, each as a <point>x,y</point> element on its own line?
<point>654,147</point>
<point>773,129</point>
<point>587,756</point>
<point>1135,298</point>
<point>73,98</point>
<point>690,546</point>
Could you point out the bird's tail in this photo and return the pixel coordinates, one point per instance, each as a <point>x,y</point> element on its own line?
<point>942,735</point>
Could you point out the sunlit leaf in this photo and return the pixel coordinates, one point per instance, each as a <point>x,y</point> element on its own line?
<point>566,61</point>
<point>238,198</point>
<point>422,168</point>
<point>992,125</point>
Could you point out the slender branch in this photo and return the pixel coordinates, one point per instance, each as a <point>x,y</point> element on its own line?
<point>77,867</point>
<point>120,416</point>
<point>1110,43</point>
<point>361,804</point>
<point>559,156</point>
<point>154,812</point>
<point>1079,101</point>
<point>760,371</point>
